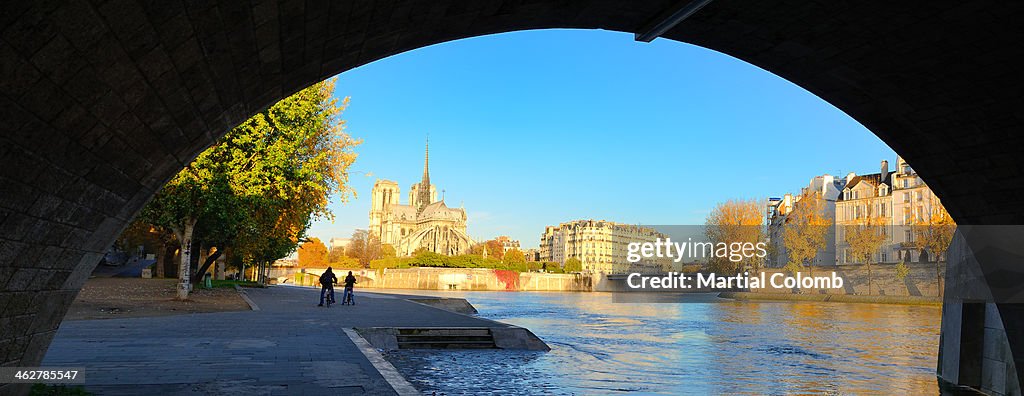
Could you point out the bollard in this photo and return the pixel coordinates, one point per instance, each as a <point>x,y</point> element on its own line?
<point>208,281</point>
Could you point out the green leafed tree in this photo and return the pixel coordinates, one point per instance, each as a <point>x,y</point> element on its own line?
<point>514,257</point>
<point>573,265</point>
<point>257,190</point>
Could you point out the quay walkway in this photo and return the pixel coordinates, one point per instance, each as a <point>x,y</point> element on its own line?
<point>288,346</point>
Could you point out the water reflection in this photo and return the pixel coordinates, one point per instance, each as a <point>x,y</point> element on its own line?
<point>734,347</point>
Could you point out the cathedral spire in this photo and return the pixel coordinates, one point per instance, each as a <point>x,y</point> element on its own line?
<point>423,195</point>
<point>426,164</point>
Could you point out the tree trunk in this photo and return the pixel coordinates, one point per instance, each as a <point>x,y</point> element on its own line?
<point>185,236</point>
<point>869,278</point>
<point>206,266</point>
<point>161,258</point>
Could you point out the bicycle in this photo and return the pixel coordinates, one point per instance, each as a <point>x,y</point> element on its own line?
<point>329,297</point>
<point>348,297</point>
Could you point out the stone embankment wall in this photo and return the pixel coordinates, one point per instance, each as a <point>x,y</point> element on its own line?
<point>922,280</point>
<point>480,279</point>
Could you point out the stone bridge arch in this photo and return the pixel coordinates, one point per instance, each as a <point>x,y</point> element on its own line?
<point>102,101</point>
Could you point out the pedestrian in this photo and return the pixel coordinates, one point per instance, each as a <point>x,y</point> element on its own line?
<point>327,281</point>
<point>347,297</point>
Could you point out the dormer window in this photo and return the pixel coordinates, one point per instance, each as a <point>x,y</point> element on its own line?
<point>883,190</point>
<point>846,194</point>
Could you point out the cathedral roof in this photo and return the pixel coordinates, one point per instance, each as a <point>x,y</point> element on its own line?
<point>440,210</point>
<point>404,212</point>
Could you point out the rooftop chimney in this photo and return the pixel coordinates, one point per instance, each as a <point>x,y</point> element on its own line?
<point>885,172</point>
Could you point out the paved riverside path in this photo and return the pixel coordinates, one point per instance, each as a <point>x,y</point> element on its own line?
<point>290,346</point>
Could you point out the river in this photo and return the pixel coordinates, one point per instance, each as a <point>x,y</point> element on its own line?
<point>705,345</point>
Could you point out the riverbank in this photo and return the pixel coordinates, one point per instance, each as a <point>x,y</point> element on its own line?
<point>843,298</point>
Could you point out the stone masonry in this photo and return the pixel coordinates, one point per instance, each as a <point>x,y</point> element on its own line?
<point>102,101</point>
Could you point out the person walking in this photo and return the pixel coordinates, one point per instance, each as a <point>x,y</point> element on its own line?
<point>347,297</point>
<point>327,281</point>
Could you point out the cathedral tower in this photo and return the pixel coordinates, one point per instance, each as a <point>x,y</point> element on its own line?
<point>384,194</point>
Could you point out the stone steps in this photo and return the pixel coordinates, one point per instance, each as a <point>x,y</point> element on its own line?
<point>445,338</point>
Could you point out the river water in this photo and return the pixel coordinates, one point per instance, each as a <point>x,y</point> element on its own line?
<point>702,346</point>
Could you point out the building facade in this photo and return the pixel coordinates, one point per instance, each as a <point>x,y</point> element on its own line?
<point>827,187</point>
<point>600,245</point>
<point>338,243</point>
<point>866,201</point>
<point>897,200</point>
<point>894,200</point>
<point>507,243</point>
<point>425,222</point>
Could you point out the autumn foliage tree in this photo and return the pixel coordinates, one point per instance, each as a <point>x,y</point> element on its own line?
<point>934,233</point>
<point>734,221</point>
<point>865,239</point>
<point>805,230</point>
<point>387,251</point>
<point>493,249</point>
<point>313,254</point>
<point>364,247</point>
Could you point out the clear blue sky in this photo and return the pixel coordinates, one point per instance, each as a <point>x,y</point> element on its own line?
<point>534,128</point>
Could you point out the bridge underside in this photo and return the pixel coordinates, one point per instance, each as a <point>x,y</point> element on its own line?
<point>102,102</point>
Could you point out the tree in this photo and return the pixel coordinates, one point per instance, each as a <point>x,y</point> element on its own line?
<point>806,227</point>
<point>492,247</point>
<point>387,251</point>
<point>514,257</point>
<point>734,221</point>
<point>364,247</point>
<point>902,270</point>
<point>336,255</point>
<point>865,239</point>
<point>196,192</point>
<point>294,156</point>
<point>934,234</point>
<point>260,186</point>
<point>573,265</point>
<point>313,254</point>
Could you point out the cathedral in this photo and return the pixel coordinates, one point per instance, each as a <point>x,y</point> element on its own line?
<point>424,223</point>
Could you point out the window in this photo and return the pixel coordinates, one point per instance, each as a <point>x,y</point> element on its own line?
<point>906,195</point>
